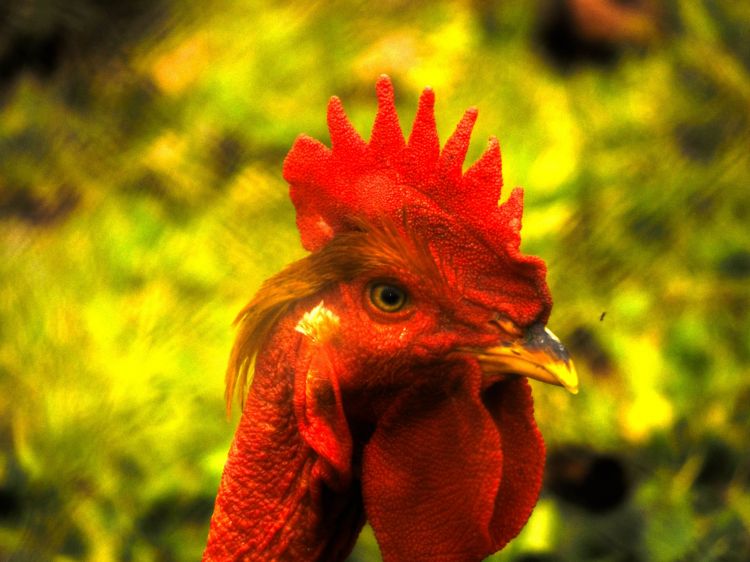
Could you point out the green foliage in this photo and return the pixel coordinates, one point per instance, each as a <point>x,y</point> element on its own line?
<point>141,205</point>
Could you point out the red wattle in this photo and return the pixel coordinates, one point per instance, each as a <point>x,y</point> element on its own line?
<point>451,475</point>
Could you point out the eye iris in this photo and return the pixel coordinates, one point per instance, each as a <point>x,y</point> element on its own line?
<point>388,298</point>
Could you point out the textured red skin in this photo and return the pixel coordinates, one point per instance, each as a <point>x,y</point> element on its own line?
<point>449,476</point>
<point>446,465</point>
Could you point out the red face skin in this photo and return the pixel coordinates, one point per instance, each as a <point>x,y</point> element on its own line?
<point>358,411</point>
<point>434,470</point>
<point>391,423</point>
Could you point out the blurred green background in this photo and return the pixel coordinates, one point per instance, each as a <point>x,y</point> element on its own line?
<point>141,205</point>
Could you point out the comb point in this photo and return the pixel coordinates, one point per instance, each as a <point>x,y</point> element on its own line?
<point>344,137</point>
<point>483,181</point>
<point>512,211</point>
<point>454,152</point>
<point>387,139</point>
<point>423,148</point>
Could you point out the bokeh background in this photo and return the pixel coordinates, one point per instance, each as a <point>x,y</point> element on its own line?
<point>141,205</point>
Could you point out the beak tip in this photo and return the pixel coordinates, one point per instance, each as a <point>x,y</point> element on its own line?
<point>569,379</point>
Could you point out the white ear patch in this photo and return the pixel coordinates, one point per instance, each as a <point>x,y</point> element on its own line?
<point>319,324</point>
<point>324,227</point>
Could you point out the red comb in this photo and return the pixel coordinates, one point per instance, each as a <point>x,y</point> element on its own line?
<point>335,189</point>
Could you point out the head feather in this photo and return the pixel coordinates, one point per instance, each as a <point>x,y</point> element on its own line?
<point>385,248</point>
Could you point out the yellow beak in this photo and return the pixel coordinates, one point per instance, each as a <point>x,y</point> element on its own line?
<point>538,354</point>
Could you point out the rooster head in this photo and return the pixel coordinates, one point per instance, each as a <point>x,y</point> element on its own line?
<point>418,322</point>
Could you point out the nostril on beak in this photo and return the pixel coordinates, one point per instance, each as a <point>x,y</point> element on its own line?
<point>505,325</point>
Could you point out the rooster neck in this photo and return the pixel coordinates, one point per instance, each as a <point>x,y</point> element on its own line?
<point>272,503</point>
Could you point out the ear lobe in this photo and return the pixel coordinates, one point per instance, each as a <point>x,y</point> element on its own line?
<point>320,413</point>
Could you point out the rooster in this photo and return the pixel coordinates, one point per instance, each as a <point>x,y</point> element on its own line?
<point>389,366</point>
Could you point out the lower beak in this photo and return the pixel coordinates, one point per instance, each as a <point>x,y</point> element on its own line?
<point>538,355</point>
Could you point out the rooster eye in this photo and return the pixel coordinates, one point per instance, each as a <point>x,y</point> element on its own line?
<point>387,297</point>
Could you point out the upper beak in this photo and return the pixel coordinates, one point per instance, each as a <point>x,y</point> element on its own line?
<point>538,354</point>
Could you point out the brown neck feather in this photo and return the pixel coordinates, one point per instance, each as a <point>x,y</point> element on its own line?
<point>272,502</point>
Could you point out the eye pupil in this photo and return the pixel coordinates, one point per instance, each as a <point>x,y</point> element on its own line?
<point>390,296</point>
<point>387,298</point>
